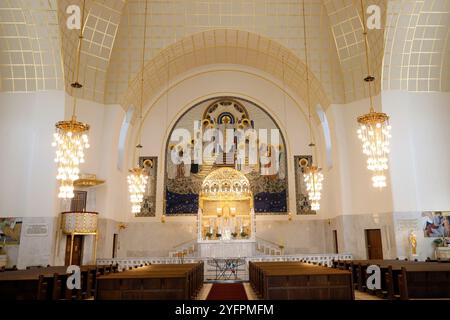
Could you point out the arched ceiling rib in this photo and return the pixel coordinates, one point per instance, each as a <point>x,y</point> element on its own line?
<point>225,46</point>
<point>170,21</point>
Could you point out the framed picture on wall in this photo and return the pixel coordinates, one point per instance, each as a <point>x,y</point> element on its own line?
<point>436,224</point>
<point>10,230</point>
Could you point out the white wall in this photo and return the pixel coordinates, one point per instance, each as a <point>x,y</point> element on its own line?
<point>420,157</point>
<point>357,194</point>
<point>27,168</point>
<point>28,172</point>
<point>419,177</point>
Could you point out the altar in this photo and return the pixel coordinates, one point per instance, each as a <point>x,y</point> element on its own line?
<point>227,248</point>
<point>226,218</point>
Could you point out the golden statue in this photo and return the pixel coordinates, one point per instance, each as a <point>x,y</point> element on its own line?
<point>413,242</point>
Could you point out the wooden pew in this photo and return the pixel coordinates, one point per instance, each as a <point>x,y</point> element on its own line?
<point>168,281</point>
<point>424,281</point>
<point>43,283</point>
<point>300,281</point>
<point>390,270</point>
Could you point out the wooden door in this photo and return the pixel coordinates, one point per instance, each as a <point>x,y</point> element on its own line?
<point>77,253</point>
<point>78,202</point>
<point>335,242</point>
<point>374,244</point>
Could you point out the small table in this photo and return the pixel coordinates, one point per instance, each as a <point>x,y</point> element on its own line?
<point>443,253</point>
<point>226,268</point>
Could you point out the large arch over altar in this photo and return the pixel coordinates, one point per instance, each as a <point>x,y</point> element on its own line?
<point>232,116</point>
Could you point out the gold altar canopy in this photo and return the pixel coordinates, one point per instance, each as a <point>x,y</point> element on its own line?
<point>226,206</point>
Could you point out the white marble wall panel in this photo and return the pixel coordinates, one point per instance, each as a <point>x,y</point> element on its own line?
<point>36,249</point>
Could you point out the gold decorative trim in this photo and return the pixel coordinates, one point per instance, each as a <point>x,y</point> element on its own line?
<point>72,126</point>
<point>373,118</point>
<point>87,182</point>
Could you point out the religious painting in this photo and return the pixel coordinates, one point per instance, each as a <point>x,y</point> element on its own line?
<point>231,128</point>
<point>10,230</point>
<point>301,195</point>
<point>436,224</point>
<point>150,164</point>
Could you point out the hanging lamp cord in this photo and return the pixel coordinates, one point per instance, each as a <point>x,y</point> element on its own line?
<point>370,78</point>
<point>76,84</point>
<point>308,98</point>
<point>141,102</point>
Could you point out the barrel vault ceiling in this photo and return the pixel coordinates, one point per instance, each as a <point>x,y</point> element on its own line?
<point>38,52</point>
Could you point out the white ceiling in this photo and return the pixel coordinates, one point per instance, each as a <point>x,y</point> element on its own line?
<point>38,52</point>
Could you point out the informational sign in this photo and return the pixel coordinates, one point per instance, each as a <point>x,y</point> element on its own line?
<point>36,229</point>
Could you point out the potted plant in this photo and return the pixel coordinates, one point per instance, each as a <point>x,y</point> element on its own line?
<point>234,235</point>
<point>243,234</point>
<point>208,235</point>
<point>439,242</point>
<point>218,235</point>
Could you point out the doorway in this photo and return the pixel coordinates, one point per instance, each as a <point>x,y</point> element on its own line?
<point>335,242</point>
<point>373,244</point>
<point>78,202</point>
<point>77,253</point>
<point>115,239</point>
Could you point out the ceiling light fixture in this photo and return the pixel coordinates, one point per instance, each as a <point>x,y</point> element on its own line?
<point>312,175</point>
<point>70,137</point>
<point>138,178</point>
<point>374,129</point>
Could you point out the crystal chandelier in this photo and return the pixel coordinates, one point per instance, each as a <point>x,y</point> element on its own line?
<point>312,174</point>
<point>374,133</point>
<point>71,139</point>
<point>138,178</point>
<point>374,130</point>
<point>137,182</point>
<point>313,180</point>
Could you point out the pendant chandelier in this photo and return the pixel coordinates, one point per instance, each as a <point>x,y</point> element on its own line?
<point>374,129</point>
<point>138,178</point>
<point>71,138</point>
<point>312,175</point>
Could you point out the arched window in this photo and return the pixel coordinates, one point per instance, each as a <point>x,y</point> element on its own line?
<point>326,134</point>
<point>123,137</point>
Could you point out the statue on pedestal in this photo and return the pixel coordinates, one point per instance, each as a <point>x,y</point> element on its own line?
<point>413,242</point>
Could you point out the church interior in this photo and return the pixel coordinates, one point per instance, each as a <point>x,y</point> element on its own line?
<point>224,149</point>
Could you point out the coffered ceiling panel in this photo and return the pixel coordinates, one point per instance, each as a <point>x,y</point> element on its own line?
<point>29,46</point>
<point>102,19</point>
<point>417,56</point>
<point>239,47</point>
<point>170,22</point>
<point>347,28</point>
<point>38,51</point>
